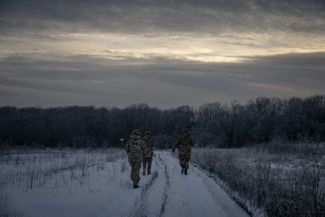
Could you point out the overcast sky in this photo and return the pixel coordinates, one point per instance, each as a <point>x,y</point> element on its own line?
<point>165,53</point>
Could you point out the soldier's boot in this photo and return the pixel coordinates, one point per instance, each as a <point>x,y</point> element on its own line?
<point>144,169</point>
<point>149,167</point>
<point>185,171</point>
<point>135,186</point>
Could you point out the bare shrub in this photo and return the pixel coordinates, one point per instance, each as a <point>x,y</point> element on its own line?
<point>300,196</point>
<point>278,188</point>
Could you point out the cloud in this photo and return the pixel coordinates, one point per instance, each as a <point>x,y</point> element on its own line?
<point>206,31</point>
<point>166,53</point>
<point>88,80</point>
<point>159,16</point>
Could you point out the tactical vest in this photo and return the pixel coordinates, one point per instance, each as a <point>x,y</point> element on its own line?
<point>185,143</point>
<point>135,146</point>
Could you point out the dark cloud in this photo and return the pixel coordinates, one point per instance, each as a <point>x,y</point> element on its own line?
<point>146,61</point>
<point>89,80</point>
<point>154,16</point>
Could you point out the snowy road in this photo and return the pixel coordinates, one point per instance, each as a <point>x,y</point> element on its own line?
<point>170,193</point>
<point>107,191</point>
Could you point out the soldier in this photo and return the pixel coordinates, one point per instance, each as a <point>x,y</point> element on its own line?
<point>148,152</point>
<point>134,148</point>
<point>183,144</point>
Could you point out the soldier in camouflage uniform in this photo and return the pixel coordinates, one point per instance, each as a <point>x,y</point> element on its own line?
<point>183,144</point>
<point>148,152</point>
<point>134,148</point>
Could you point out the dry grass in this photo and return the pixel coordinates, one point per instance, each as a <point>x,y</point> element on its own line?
<point>280,183</point>
<point>26,169</point>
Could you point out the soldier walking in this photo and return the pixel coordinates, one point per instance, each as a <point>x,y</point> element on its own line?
<point>134,148</point>
<point>183,144</point>
<point>148,153</point>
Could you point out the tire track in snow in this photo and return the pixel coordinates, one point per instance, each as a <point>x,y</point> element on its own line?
<point>166,187</point>
<point>138,209</point>
<point>142,203</point>
<point>175,195</point>
<point>171,194</point>
<point>220,197</point>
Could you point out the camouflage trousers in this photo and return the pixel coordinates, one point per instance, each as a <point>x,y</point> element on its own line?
<point>184,158</point>
<point>135,163</point>
<point>147,161</point>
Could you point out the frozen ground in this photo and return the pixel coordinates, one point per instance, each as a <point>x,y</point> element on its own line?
<point>104,188</point>
<point>268,181</point>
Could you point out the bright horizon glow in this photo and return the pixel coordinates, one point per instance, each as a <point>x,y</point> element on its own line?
<point>203,48</point>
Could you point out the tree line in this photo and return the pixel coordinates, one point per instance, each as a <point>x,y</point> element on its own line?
<point>221,125</point>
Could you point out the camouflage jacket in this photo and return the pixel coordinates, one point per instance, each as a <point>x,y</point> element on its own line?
<point>184,143</point>
<point>148,147</point>
<point>134,145</point>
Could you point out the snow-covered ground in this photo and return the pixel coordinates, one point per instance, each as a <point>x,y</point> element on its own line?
<point>105,189</point>
<point>269,183</point>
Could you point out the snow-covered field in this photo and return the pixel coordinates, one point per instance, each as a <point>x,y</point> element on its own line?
<point>285,183</point>
<point>97,183</point>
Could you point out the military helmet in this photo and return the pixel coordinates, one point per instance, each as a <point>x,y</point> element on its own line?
<point>136,132</point>
<point>184,131</point>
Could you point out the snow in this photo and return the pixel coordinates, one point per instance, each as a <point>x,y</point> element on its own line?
<point>106,190</point>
